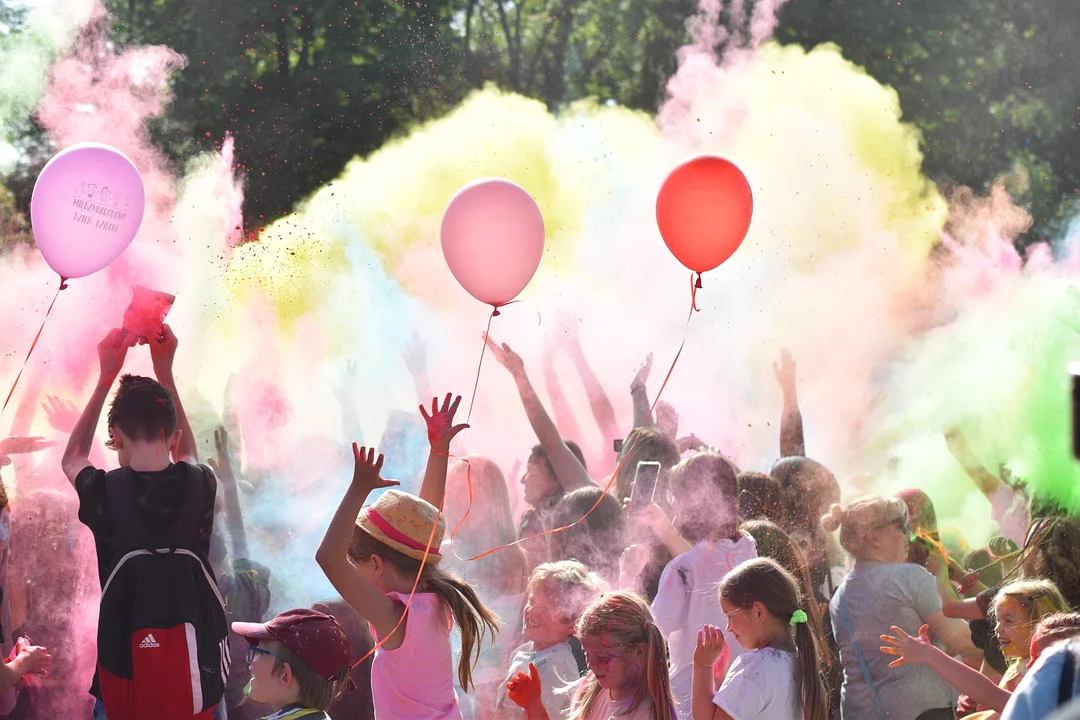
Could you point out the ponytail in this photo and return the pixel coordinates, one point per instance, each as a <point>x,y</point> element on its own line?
<point>624,620</point>
<point>474,621</point>
<point>763,580</point>
<point>808,681</point>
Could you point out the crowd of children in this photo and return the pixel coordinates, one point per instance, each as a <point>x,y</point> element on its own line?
<point>702,592</point>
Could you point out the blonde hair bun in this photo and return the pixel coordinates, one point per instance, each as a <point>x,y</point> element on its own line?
<point>832,521</point>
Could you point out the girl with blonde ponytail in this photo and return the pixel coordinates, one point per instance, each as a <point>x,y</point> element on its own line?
<point>778,676</point>
<point>628,666</point>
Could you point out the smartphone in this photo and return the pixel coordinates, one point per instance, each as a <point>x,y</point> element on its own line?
<point>648,472</point>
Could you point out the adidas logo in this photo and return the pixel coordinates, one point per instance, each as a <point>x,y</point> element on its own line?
<point>149,642</point>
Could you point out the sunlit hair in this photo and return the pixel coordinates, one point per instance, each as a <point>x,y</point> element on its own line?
<point>1039,598</point>
<point>772,542</point>
<point>705,496</point>
<point>316,692</point>
<point>473,620</point>
<point>539,454</point>
<point>569,584</point>
<point>860,517</point>
<point>489,524</point>
<point>143,410</point>
<point>623,620</point>
<point>760,496</point>
<point>1051,553</point>
<point>762,580</point>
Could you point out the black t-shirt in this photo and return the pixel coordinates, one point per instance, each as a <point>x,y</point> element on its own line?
<point>158,496</point>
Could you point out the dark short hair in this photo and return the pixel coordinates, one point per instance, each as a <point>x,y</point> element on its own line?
<point>760,496</point>
<point>539,453</point>
<point>142,409</point>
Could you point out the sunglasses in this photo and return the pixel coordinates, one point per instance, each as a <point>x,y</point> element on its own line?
<point>253,651</point>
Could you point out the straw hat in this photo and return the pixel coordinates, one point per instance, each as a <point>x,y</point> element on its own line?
<point>403,522</point>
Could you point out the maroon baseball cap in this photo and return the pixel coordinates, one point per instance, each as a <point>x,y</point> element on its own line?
<point>312,636</point>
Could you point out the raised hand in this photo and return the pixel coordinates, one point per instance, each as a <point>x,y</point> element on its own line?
<point>61,414</point>
<point>784,370</point>
<point>633,561</point>
<point>525,690</point>
<point>23,445</point>
<point>907,648</point>
<point>440,423</point>
<point>112,351</point>
<point>222,465</point>
<point>163,352</point>
<point>710,645</point>
<point>642,375</point>
<point>506,357</point>
<point>366,471</point>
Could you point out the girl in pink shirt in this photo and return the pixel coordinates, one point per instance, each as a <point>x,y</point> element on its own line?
<point>375,561</point>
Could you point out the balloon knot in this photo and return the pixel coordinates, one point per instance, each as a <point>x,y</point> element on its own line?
<point>495,312</point>
<point>63,283</point>
<point>698,283</point>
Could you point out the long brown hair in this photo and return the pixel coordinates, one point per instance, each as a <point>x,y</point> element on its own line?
<point>472,618</point>
<point>772,542</point>
<point>624,619</point>
<point>763,580</point>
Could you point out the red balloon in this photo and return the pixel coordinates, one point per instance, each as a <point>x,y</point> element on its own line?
<point>703,211</point>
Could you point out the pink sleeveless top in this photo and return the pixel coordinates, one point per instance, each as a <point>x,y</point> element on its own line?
<point>416,680</point>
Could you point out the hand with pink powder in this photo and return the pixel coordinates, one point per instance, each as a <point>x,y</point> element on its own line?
<point>440,422</point>
<point>61,414</point>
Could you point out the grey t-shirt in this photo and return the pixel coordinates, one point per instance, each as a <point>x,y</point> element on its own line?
<point>878,596</point>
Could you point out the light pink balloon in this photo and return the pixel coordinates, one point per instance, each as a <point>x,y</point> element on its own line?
<point>86,209</point>
<point>493,239</point>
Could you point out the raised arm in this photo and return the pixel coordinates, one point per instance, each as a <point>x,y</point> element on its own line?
<point>441,431</point>
<point>639,396</point>
<point>985,480</point>
<point>602,409</point>
<point>333,554</point>
<point>967,680</point>
<point>564,416</point>
<point>234,516</point>
<point>792,443</point>
<point>111,353</point>
<point>162,353</point>
<point>569,471</point>
<point>416,362</point>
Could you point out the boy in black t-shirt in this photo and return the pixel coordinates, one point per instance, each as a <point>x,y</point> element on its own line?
<point>149,431</point>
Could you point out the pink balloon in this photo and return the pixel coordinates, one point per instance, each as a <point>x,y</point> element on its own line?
<point>493,239</point>
<point>86,209</point>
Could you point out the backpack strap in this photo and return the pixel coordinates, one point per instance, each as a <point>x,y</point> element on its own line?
<point>1069,671</point>
<point>302,712</point>
<point>863,667</point>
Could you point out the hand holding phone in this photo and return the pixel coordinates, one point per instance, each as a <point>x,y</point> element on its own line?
<point>648,472</point>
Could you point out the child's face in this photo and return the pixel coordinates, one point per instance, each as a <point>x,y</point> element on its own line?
<point>744,624</point>
<point>617,669</point>
<point>543,624</point>
<point>266,687</point>
<point>1013,628</point>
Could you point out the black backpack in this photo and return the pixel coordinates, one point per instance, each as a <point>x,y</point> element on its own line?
<point>163,648</point>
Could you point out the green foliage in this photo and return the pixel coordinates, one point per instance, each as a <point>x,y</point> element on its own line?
<point>305,87</point>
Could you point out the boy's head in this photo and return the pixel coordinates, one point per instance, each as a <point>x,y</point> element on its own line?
<point>141,412</point>
<point>301,656</point>
<point>557,594</point>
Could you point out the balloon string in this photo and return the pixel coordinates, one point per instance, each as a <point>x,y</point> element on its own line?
<point>626,455</point>
<point>63,286</point>
<point>480,365</point>
<point>412,592</point>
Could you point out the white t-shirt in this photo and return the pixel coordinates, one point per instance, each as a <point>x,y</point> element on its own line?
<point>688,598</point>
<point>760,685</point>
<point>558,670</point>
<point>603,708</point>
